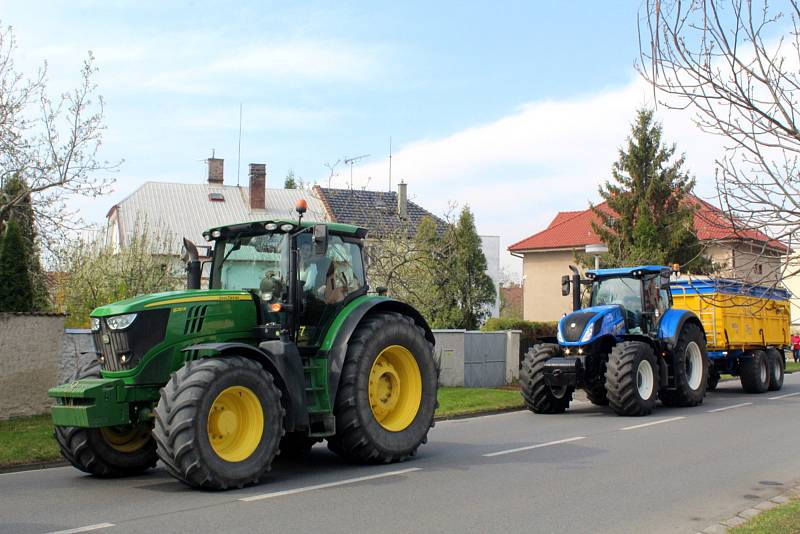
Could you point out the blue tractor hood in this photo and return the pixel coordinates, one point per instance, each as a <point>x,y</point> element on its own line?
<point>588,324</point>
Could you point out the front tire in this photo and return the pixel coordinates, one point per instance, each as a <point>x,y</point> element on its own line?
<point>754,372</point>
<point>387,391</point>
<point>538,396</point>
<point>777,363</point>
<point>690,369</point>
<point>219,423</point>
<point>596,393</point>
<point>107,452</point>
<point>632,379</point>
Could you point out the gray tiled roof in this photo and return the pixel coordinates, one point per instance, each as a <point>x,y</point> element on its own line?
<point>184,210</point>
<point>375,210</point>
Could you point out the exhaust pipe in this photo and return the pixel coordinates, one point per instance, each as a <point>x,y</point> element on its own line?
<point>193,266</point>
<point>576,288</point>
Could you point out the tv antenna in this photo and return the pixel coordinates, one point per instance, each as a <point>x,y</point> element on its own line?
<point>351,161</point>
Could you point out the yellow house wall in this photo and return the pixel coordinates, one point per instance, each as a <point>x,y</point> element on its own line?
<point>542,273</point>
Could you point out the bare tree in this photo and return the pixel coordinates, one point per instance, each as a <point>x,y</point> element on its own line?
<point>50,143</point>
<point>736,65</point>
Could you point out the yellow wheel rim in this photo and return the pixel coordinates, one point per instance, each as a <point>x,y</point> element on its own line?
<point>125,438</point>
<point>395,388</point>
<point>235,424</point>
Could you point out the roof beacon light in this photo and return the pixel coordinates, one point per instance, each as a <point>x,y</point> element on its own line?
<point>275,307</point>
<point>301,206</point>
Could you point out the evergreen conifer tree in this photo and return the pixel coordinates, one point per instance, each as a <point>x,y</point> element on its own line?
<point>16,290</point>
<point>652,216</point>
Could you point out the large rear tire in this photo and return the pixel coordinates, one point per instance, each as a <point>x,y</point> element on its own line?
<point>777,366</point>
<point>538,396</point>
<point>632,378</point>
<point>689,368</point>
<point>108,452</point>
<point>387,391</point>
<point>219,423</point>
<point>754,372</point>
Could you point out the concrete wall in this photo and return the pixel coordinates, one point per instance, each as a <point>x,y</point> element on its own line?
<point>450,348</point>
<point>29,362</point>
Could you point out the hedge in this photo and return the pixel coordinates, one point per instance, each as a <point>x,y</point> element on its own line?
<point>531,330</point>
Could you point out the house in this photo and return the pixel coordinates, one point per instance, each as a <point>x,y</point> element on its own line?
<point>742,253</point>
<point>180,210</point>
<point>383,211</point>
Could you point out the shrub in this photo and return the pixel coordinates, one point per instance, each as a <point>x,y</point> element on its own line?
<point>531,330</point>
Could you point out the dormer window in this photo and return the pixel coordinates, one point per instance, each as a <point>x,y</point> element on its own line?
<point>216,197</point>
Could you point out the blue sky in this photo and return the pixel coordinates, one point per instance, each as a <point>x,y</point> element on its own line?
<point>515,108</point>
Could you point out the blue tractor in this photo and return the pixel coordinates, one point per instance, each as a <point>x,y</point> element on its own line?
<point>627,349</point>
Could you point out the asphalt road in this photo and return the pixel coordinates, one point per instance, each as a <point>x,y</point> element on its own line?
<point>678,470</point>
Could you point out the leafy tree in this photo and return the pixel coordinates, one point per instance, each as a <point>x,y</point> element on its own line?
<point>461,288</point>
<point>97,274</point>
<point>16,289</point>
<point>650,216</point>
<point>290,182</point>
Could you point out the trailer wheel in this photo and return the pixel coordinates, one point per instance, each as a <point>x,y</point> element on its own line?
<point>777,363</point>
<point>690,369</point>
<point>107,452</point>
<point>754,372</point>
<point>219,422</point>
<point>538,396</point>
<point>387,391</point>
<point>632,378</point>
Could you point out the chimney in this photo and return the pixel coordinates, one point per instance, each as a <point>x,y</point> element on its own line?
<point>215,170</point>
<point>402,200</point>
<point>258,184</point>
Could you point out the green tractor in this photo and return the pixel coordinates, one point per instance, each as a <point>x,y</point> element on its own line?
<point>285,349</point>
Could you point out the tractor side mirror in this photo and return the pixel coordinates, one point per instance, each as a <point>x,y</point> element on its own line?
<point>565,285</point>
<point>664,282</point>
<point>320,239</point>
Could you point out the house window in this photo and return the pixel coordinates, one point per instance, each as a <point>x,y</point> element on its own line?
<point>216,197</point>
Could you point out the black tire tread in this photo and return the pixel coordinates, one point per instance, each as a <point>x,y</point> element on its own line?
<point>750,371</point>
<point>776,360</point>
<point>682,395</point>
<point>535,392</point>
<point>351,440</point>
<point>174,416</point>
<point>621,387</point>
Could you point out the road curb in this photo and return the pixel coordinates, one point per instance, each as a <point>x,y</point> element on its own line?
<point>35,466</point>
<point>469,415</point>
<point>745,515</point>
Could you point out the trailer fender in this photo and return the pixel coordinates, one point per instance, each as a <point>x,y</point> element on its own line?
<point>671,324</point>
<point>338,336</point>
<point>283,362</point>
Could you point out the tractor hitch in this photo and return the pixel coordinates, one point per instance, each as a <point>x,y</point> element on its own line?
<point>560,372</point>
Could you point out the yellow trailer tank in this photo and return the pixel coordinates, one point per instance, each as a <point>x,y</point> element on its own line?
<point>735,315</point>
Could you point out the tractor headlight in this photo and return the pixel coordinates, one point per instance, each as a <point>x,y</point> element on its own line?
<point>95,323</point>
<point>587,335</point>
<point>287,227</point>
<point>270,227</point>
<point>120,322</point>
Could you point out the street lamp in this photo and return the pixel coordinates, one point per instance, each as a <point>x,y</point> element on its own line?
<point>596,250</point>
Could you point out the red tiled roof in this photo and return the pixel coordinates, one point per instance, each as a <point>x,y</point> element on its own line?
<point>573,229</point>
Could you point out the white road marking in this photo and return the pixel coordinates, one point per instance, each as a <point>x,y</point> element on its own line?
<point>729,407</point>
<point>328,485</point>
<point>784,396</point>
<point>529,447</point>
<point>88,528</point>
<point>634,427</point>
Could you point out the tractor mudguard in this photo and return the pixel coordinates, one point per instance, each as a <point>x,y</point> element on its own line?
<point>282,360</point>
<point>671,324</point>
<point>335,343</point>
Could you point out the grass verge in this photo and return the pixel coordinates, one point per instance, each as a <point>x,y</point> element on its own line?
<point>784,519</point>
<point>792,367</point>
<point>461,401</point>
<point>27,440</point>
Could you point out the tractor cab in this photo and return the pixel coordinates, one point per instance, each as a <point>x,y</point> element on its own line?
<point>300,273</point>
<point>642,293</point>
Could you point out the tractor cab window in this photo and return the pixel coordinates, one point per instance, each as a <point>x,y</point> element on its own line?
<point>627,292</point>
<point>327,284</point>
<point>254,263</point>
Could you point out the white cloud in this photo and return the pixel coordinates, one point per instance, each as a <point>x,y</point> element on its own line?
<point>518,171</point>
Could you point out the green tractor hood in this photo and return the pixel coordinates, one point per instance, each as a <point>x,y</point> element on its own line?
<point>169,299</point>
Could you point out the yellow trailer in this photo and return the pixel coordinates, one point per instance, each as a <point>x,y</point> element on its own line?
<point>746,325</point>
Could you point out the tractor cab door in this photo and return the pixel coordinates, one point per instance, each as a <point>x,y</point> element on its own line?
<point>328,282</point>
<point>656,300</point>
